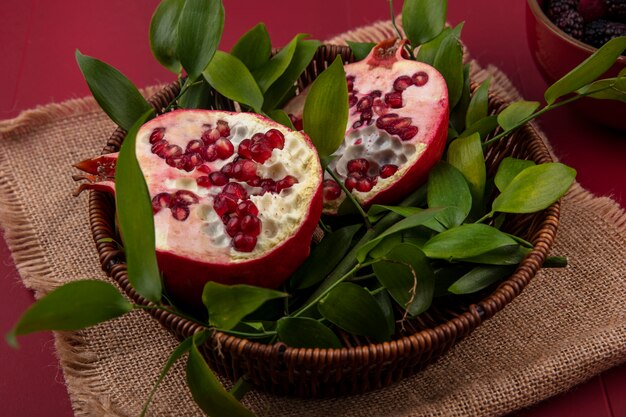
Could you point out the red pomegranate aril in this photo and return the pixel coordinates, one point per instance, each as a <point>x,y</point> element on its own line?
<point>233,226</point>
<point>244,170</point>
<point>331,190</point>
<point>376,93</point>
<point>244,149</point>
<point>195,146</point>
<point>360,165</point>
<point>401,123</point>
<point>420,78</point>
<point>187,163</point>
<point>394,100</point>
<point>210,136</point>
<point>357,124</point>
<point>352,100</point>
<point>157,135</point>
<point>257,138</point>
<point>286,182</point>
<point>388,170</point>
<point>350,81</point>
<point>185,197</point>
<point>175,161</point>
<point>247,207</point>
<point>223,128</point>
<point>224,203</point>
<point>218,178</point>
<point>158,148</point>
<point>366,115</point>
<point>244,243</point>
<point>254,182</point>
<point>172,150</point>
<point>161,201</point>
<point>402,83</point>
<point>268,185</point>
<point>204,182</point>
<point>236,190</point>
<point>408,133</point>
<point>296,121</point>
<point>365,184</point>
<point>379,107</point>
<point>180,211</point>
<point>260,152</point>
<point>351,182</point>
<point>227,169</point>
<point>251,225</point>
<point>364,103</point>
<point>210,153</point>
<point>196,160</point>
<point>205,169</point>
<point>386,120</point>
<point>275,138</point>
<point>224,148</point>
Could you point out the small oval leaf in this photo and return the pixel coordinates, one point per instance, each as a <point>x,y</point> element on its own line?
<point>377,211</point>
<point>449,62</point>
<point>360,50</point>
<point>271,71</point>
<point>466,155</point>
<point>447,187</point>
<point>606,89</point>
<point>479,278</point>
<point>535,188</point>
<point>516,113</point>
<point>281,117</point>
<point>325,113</point>
<point>254,48</point>
<point>355,310</point>
<point>117,96</point>
<point>73,306</point>
<point>483,127</point>
<point>197,96</point>
<point>508,169</point>
<point>230,77</point>
<point>227,305</point>
<point>423,20</point>
<point>304,332</point>
<point>163,33</point>
<point>479,104</point>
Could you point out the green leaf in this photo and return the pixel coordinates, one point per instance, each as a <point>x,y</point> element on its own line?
<point>283,87</point>
<point>483,127</point>
<point>326,109</point>
<point>230,77</point>
<point>164,32</point>
<point>448,275</point>
<point>228,304</point>
<point>428,51</point>
<point>254,48</point>
<point>377,211</point>
<point>410,222</point>
<point>479,104</point>
<point>459,113</point>
<point>384,301</point>
<point>423,20</point>
<point>606,89</point>
<point>324,257</point>
<point>386,245</point>
<point>447,187</point>
<point>117,96</point>
<point>198,96</point>
<point>207,391</point>
<point>355,310</point>
<point>466,241</point>
<point>73,306</point>
<point>466,155</point>
<point>479,278</point>
<point>508,169</point>
<point>361,50</point>
<point>589,70</point>
<point>136,219</point>
<point>535,188</point>
<point>281,117</point>
<point>503,255</point>
<point>269,72</point>
<point>449,62</point>
<point>515,113</point>
<point>304,332</point>
<point>200,29</point>
<point>406,274</point>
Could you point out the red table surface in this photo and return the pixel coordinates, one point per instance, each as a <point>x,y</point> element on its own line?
<point>37,43</point>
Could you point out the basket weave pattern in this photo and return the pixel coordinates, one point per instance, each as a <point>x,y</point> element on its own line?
<point>360,365</point>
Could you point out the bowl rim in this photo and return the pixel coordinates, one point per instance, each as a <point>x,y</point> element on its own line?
<point>537,11</point>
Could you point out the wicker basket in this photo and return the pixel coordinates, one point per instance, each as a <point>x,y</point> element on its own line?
<point>360,365</point>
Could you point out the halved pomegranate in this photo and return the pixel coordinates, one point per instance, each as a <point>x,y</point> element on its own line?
<point>397,127</point>
<point>236,197</point>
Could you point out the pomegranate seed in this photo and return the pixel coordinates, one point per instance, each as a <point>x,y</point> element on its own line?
<point>244,170</point>
<point>408,133</point>
<point>244,243</point>
<point>227,169</point>
<point>386,120</point>
<point>186,163</point>
<point>224,203</point>
<point>157,135</point>
<point>365,184</point>
<point>223,128</point>
<point>180,212</point>
<point>379,107</point>
<point>351,183</point>
<point>357,124</point>
<point>268,185</point>
<point>244,149</point>
<point>364,103</point>
<point>204,182</point>
<point>254,182</point>
<point>402,123</point>
<point>275,138</point>
<point>286,182</point>
<point>358,141</point>
<point>420,78</point>
<point>331,190</point>
<point>236,190</point>
<point>251,225</point>
<point>356,175</point>
<point>210,153</point>
<point>352,100</point>
<point>185,197</point>
<point>233,226</point>
<point>402,83</point>
<point>376,93</point>
<point>161,201</point>
<point>224,148</point>
<point>350,85</point>
<point>247,207</point>
<point>260,152</point>
<point>158,148</point>
<point>172,150</point>
<point>195,146</point>
<point>296,121</point>
<point>388,170</point>
<point>218,178</point>
<point>366,115</point>
<point>360,165</point>
<point>210,136</point>
<point>394,100</point>
<point>196,160</point>
<point>257,138</point>
<point>175,161</point>
<point>205,169</point>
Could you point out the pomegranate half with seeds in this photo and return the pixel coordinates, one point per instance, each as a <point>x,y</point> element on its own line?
<point>397,127</point>
<point>235,196</point>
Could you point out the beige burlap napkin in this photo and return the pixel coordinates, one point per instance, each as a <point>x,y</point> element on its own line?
<point>568,325</point>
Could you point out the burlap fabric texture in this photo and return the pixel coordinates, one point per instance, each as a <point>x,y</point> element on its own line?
<point>568,324</point>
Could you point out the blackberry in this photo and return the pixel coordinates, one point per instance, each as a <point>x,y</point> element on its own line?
<point>616,9</point>
<point>555,8</point>
<point>600,31</point>
<point>571,22</point>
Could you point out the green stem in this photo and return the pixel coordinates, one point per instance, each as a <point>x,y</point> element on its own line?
<point>182,92</point>
<point>325,228</point>
<point>240,389</point>
<point>555,262</point>
<point>366,220</point>
<point>485,217</point>
<point>393,22</point>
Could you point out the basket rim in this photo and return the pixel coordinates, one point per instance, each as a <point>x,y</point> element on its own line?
<point>458,326</point>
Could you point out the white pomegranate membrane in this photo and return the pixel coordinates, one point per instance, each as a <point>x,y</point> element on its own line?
<point>396,131</point>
